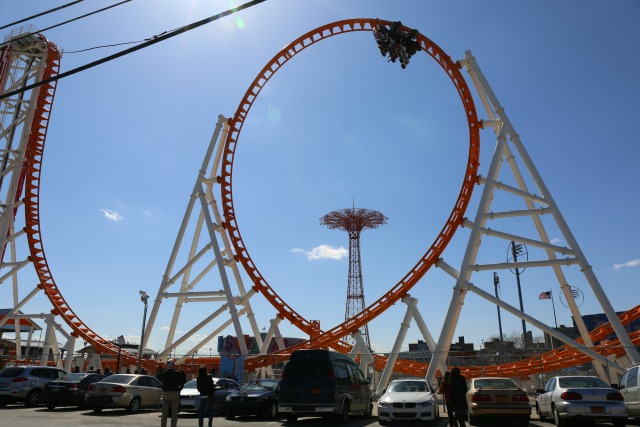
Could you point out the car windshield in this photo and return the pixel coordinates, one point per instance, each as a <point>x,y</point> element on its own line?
<point>495,383</point>
<point>119,379</point>
<point>256,385</point>
<point>73,377</point>
<point>191,384</point>
<point>407,386</point>
<point>582,382</point>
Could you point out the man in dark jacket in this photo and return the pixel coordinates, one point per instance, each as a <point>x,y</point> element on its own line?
<point>458,396</point>
<point>172,383</point>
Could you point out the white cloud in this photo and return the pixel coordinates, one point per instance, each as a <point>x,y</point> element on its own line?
<point>112,215</point>
<point>148,213</point>
<point>555,240</point>
<point>632,263</point>
<point>326,252</point>
<point>297,251</point>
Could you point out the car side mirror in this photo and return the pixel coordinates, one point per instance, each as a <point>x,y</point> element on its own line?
<point>540,390</point>
<point>615,386</point>
<point>367,381</point>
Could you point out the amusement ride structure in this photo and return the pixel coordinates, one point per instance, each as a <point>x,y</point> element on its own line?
<point>204,264</point>
<point>354,221</point>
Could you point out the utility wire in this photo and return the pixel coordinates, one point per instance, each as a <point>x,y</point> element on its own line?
<point>154,40</point>
<point>40,14</point>
<point>70,20</point>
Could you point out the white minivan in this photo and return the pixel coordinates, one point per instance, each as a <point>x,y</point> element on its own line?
<point>630,391</point>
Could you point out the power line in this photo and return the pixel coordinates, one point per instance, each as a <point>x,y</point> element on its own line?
<point>154,40</point>
<point>42,13</point>
<point>71,20</point>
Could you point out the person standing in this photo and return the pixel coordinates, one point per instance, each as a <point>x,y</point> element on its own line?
<point>172,383</point>
<point>459,396</point>
<point>445,389</point>
<point>206,389</point>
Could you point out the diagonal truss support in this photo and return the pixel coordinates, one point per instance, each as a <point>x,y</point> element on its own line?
<point>551,256</point>
<point>203,270</point>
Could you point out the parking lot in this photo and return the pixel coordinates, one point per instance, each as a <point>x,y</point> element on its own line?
<point>18,415</point>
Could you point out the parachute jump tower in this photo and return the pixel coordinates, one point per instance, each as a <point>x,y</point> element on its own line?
<point>354,221</point>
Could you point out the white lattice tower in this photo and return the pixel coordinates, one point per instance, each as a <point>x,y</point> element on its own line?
<point>25,58</point>
<point>532,206</point>
<point>202,269</point>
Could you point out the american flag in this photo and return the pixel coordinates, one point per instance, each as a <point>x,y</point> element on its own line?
<point>545,295</point>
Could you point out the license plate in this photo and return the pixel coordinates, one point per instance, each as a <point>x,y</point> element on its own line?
<point>55,389</point>
<point>103,391</point>
<point>315,391</point>
<point>502,398</point>
<point>597,410</point>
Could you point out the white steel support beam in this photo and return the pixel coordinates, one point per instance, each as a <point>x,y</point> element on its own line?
<point>605,304</point>
<point>203,219</point>
<point>460,290</point>
<point>505,133</point>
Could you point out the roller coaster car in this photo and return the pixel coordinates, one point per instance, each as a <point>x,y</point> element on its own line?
<point>396,43</point>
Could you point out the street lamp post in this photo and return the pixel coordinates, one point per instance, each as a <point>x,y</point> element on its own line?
<point>496,284</point>
<point>143,297</point>
<point>517,249</point>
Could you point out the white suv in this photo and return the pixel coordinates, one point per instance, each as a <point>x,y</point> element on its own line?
<point>24,383</point>
<point>630,390</point>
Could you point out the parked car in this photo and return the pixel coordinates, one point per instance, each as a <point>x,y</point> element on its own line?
<point>69,390</point>
<point>25,383</point>
<point>580,397</point>
<point>497,397</point>
<point>130,391</point>
<point>323,383</point>
<point>190,397</point>
<point>408,399</point>
<point>631,391</point>
<point>257,397</point>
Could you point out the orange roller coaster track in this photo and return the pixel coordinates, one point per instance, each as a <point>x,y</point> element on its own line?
<point>31,170</point>
<point>555,359</point>
<point>401,289</point>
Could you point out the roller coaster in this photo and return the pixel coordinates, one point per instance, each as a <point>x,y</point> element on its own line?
<point>34,58</point>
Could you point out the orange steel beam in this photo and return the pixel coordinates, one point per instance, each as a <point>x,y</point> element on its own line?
<point>332,337</point>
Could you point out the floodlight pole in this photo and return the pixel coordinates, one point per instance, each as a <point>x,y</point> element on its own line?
<point>496,284</point>
<point>144,298</point>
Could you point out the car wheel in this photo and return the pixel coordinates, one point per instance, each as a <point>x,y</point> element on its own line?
<point>134,405</point>
<point>524,420</point>
<point>230,415</point>
<point>556,418</point>
<point>539,412</point>
<point>383,422</point>
<point>32,399</point>
<point>343,417</point>
<point>51,407</point>
<point>96,409</point>
<point>292,418</point>
<point>369,411</point>
<point>272,410</point>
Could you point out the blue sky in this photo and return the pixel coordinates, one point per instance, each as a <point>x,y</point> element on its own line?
<point>337,123</point>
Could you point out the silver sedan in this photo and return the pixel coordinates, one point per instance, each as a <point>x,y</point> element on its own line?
<point>132,392</point>
<point>580,397</point>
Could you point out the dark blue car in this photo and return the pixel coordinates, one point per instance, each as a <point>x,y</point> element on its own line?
<point>257,397</point>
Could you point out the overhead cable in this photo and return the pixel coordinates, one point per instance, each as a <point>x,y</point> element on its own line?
<point>40,14</point>
<point>154,40</point>
<point>70,20</point>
